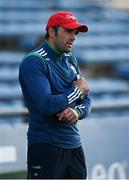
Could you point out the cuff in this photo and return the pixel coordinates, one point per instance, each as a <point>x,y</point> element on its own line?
<point>79,112</point>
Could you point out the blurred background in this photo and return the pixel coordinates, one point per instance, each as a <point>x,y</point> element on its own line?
<point>103,56</point>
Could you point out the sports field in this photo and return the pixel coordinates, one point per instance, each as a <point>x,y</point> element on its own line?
<point>16,175</point>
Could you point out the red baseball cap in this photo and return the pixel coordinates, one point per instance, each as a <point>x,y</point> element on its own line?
<point>66,20</point>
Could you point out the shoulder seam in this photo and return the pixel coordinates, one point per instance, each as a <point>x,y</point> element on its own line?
<point>35,54</point>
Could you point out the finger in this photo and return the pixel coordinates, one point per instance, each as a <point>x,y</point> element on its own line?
<point>66,111</point>
<point>67,115</point>
<point>58,114</point>
<point>72,121</point>
<point>61,116</point>
<point>72,118</point>
<point>70,113</point>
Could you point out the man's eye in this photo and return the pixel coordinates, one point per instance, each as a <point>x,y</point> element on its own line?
<point>71,30</point>
<point>76,33</point>
<point>68,30</point>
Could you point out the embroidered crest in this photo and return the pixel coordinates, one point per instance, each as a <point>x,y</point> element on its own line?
<point>73,69</point>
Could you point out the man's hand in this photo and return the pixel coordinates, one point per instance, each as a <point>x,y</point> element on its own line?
<point>69,115</point>
<point>82,85</point>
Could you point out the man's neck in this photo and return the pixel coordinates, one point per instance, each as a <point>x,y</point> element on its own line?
<point>51,44</point>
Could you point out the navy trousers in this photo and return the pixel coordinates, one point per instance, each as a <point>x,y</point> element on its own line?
<point>50,162</point>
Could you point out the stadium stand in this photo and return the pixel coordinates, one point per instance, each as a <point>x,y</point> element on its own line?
<point>103,55</point>
<point>104,50</point>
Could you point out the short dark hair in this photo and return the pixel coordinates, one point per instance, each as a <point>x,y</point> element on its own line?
<point>55,29</point>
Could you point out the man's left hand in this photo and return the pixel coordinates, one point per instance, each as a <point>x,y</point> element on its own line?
<point>69,114</point>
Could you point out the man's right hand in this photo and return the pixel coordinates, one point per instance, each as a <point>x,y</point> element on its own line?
<point>82,85</point>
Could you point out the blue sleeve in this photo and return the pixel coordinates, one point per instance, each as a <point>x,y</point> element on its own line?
<point>84,107</point>
<point>34,75</point>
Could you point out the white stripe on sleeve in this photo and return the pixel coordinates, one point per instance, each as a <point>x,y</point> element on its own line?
<point>75,95</point>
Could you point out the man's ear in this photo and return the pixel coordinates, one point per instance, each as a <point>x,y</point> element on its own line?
<point>51,32</point>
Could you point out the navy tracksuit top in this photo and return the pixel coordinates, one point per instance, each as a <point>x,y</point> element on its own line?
<point>46,78</point>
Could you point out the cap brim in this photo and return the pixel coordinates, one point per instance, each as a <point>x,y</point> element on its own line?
<point>81,27</point>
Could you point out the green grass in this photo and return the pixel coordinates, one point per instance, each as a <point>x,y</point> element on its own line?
<point>14,175</point>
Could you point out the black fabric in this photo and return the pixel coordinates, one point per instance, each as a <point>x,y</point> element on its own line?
<point>49,162</point>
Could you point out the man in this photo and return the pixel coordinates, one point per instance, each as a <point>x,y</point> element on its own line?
<point>56,97</point>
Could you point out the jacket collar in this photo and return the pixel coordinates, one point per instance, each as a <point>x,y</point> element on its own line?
<point>52,53</point>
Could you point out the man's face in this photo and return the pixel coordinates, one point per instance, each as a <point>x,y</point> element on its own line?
<point>63,40</point>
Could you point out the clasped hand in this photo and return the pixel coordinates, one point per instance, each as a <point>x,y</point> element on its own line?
<point>70,115</point>
<point>82,85</point>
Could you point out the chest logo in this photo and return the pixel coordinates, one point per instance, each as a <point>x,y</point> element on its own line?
<point>73,69</point>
